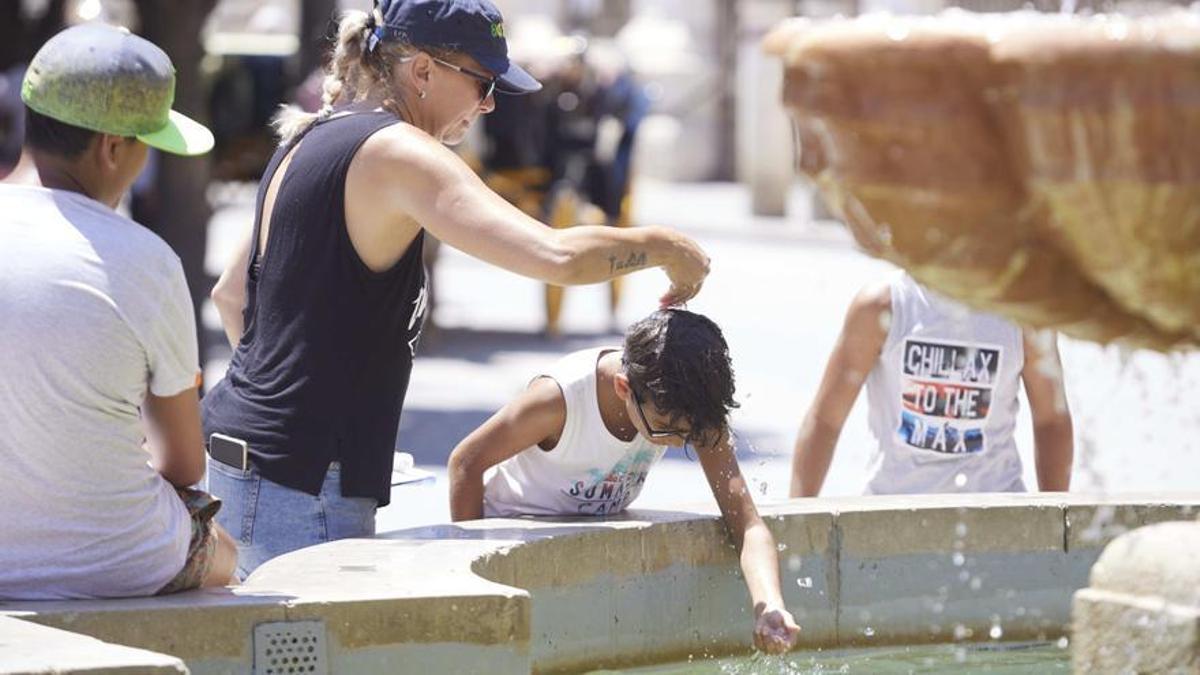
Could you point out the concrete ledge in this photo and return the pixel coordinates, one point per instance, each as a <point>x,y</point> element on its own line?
<point>1121,633</point>
<point>29,649</point>
<point>210,630</point>
<point>515,596</point>
<point>1142,610</point>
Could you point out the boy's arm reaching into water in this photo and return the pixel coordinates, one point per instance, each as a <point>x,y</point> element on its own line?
<point>775,631</point>
<point>535,417</point>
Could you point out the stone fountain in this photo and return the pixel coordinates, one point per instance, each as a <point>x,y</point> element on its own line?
<point>1047,168</point>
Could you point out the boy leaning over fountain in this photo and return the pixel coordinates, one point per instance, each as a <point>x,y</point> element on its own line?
<point>582,437</point>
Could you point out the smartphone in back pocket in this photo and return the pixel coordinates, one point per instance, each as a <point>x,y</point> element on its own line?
<point>229,451</point>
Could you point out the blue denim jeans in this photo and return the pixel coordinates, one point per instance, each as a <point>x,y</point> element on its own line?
<point>268,519</point>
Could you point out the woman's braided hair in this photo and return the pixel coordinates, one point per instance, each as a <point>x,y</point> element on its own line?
<point>353,73</point>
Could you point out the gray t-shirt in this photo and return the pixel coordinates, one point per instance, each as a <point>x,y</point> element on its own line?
<point>943,397</point>
<point>94,312</point>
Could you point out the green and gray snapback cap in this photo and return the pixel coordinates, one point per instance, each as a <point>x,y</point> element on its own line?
<point>106,79</point>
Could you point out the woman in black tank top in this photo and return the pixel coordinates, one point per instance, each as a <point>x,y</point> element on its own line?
<point>324,306</point>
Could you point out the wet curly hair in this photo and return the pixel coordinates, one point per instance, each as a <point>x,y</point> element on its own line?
<point>679,361</point>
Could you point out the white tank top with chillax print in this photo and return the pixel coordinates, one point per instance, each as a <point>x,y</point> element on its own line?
<point>588,472</point>
<point>943,398</point>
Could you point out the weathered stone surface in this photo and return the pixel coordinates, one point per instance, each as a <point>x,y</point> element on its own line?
<point>1045,167</point>
<point>1093,525</point>
<point>1141,612</point>
<point>211,624</point>
<point>1125,633</point>
<point>29,649</point>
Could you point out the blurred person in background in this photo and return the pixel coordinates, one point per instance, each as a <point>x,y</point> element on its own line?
<point>12,119</point>
<point>564,155</point>
<point>325,302</point>
<point>942,381</point>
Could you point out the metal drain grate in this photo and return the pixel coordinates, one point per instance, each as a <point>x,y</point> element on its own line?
<point>290,648</point>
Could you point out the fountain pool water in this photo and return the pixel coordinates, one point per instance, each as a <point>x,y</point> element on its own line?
<point>1036,658</point>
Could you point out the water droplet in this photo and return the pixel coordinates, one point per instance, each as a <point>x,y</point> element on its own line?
<point>958,558</point>
<point>960,530</point>
<point>960,480</point>
<point>89,9</point>
<point>961,632</point>
<point>781,547</point>
<point>1063,642</point>
<point>793,563</point>
<point>804,582</point>
<point>869,632</point>
<point>884,231</point>
<point>976,583</point>
<point>996,632</point>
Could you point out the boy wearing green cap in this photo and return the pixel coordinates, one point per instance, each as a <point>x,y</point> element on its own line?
<point>98,344</point>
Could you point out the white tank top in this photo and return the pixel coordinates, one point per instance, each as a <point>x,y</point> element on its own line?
<point>943,398</point>
<point>589,471</point>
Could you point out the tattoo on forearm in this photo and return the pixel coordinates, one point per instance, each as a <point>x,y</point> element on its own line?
<point>634,261</point>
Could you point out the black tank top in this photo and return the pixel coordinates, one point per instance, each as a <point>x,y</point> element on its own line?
<point>322,368</point>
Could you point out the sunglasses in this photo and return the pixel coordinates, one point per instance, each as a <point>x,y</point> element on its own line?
<point>651,431</point>
<point>487,85</point>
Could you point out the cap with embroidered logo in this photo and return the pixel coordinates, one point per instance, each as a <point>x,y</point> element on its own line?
<point>106,79</point>
<point>473,27</point>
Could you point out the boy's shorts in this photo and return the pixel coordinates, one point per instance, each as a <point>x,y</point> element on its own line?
<point>203,547</point>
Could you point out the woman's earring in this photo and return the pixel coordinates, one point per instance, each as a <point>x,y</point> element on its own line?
<point>422,93</point>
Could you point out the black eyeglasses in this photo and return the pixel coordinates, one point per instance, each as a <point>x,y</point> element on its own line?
<point>487,85</point>
<point>651,431</point>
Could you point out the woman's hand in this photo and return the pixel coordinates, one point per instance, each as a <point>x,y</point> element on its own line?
<point>775,631</point>
<point>686,268</point>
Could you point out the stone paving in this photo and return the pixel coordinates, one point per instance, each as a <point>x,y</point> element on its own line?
<point>779,289</point>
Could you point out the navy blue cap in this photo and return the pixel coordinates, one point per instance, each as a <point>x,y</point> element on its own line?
<point>473,27</point>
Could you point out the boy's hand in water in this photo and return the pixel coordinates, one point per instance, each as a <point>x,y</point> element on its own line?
<point>775,631</point>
